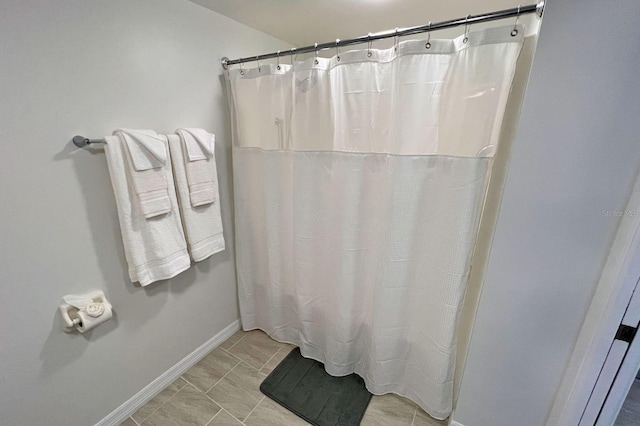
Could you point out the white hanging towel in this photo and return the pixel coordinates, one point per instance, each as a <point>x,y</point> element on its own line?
<point>202,224</point>
<point>199,149</point>
<point>148,154</point>
<point>155,247</point>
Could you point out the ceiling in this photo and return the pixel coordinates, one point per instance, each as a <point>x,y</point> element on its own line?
<point>304,22</point>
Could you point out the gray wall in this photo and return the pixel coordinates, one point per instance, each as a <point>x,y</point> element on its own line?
<point>87,67</point>
<point>576,154</point>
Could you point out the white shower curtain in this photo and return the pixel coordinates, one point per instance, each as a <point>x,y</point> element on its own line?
<point>359,183</point>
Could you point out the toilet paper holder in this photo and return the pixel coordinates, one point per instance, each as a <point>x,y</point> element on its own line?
<point>84,312</point>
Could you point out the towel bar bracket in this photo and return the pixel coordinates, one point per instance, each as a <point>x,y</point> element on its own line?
<point>81,141</point>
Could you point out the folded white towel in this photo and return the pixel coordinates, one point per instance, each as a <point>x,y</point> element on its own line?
<point>199,149</point>
<point>146,147</point>
<point>202,224</point>
<point>199,143</point>
<point>148,154</point>
<point>155,248</point>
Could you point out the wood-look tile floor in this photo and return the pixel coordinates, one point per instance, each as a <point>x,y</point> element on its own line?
<point>630,412</point>
<point>223,390</point>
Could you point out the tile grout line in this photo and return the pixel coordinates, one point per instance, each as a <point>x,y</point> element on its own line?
<point>226,411</point>
<point>242,360</point>
<point>269,360</point>
<point>214,416</point>
<point>197,388</point>
<point>220,379</point>
<point>231,354</point>
<point>248,365</point>
<point>239,361</point>
<point>254,408</point>
<point>242,423</point>
<point>415,413</point>
<point>228,351</point>
<point>212,400</point>
<point>159,406</point>
<point>282,346</point>
<point>239,340</point>
<point>221,406</point>
<point>171,397</point>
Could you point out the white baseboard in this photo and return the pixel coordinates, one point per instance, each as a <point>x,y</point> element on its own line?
<point>118,415</point>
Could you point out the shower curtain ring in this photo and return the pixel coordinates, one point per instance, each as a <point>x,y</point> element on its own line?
<point>258,61</point>
<point>514,31</point>
<point>291,56</point>
<point>338,49</point>
<point>369,45</point>
<point>241,68</point>
<point>278,60</point>
<point>316,60</point>
<point>466,29</point>
<point>396,40</point>
<point>428,43</point>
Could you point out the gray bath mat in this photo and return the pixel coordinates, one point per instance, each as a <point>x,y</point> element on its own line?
<point>303,387</point>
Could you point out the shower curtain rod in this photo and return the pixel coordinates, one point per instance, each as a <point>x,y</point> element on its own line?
<point>468,20</point>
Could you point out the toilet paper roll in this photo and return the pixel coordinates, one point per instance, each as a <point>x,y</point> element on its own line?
<point>88,318</point>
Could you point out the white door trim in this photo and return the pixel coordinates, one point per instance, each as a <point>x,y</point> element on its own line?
<point>628,370</point>
<point>611,297</point>
<point>605,379</point>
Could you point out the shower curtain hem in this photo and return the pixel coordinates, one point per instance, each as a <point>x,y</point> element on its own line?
<point>336,151</point>
<point>315,355</point>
